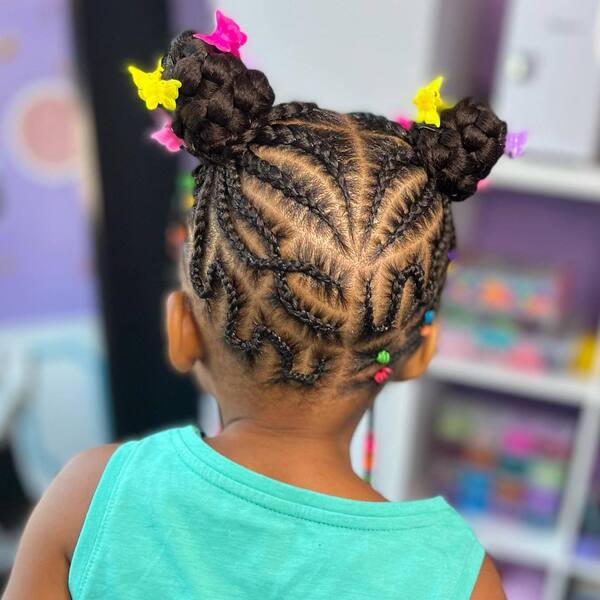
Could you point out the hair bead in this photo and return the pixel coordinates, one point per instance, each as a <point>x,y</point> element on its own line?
<point>429,317</point>
<point>382,374</point>
<point>383,357</point>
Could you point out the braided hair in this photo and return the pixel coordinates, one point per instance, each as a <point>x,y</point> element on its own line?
<point>321,237</point>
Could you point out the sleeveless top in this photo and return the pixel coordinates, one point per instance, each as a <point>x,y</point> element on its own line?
<point>171,518</point>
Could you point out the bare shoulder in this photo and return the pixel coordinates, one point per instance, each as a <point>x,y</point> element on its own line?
<point>42,562</point>
<point>488,585</point>
<point>74,487</point>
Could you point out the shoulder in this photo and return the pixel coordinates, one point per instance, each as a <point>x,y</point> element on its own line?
<point>72,490</point>
<point>53,528</point>
<point>488,585</point>
<point>478,578</point>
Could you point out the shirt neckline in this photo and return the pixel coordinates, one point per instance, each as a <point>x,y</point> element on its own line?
<point>300,502</point>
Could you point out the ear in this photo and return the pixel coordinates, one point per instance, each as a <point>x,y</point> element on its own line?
<point>417,364</point>
<point>185,345</point>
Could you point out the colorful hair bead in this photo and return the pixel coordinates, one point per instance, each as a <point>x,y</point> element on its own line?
<point>429,317</point>
<point>227,37</point>
<point>382,374</point>
<point>383,357</point>
<point>429,102</point>
<point>167,138</point>
<point>452,255</point>
<point>153,89</point>
<point>426,330</point>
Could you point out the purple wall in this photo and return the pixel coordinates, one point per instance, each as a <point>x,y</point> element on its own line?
<point>46,258</point>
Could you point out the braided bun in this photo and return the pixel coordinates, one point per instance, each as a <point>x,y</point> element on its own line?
<point>220,100</point>
<point>463,150</point>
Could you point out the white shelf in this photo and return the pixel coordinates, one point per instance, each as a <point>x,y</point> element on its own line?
<point>586,569</point>
<point>559,388</point>
<point>571,181</point>
<point>516,542</point>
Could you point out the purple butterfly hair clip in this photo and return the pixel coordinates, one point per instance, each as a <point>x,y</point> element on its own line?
<point>515,143</point>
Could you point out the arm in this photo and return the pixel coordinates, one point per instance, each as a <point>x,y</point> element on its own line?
<point>41,566</point>
<point>488,585</point>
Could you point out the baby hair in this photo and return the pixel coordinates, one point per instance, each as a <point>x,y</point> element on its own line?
<point>318,242</point>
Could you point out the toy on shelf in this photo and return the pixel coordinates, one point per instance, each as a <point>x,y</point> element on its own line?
<point>585,352</point>
<point>533,295</point>
<point>512,316</point>
<point>488,459</point>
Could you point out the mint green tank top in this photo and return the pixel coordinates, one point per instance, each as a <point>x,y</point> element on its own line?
<point>172,519</point>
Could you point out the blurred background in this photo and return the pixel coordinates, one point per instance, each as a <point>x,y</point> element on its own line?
<point>507,423</point>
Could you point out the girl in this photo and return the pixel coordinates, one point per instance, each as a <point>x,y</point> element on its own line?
<point>317,250</point>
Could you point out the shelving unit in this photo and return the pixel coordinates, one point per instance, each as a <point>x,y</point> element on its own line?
<point>586,569</point>
<point>550,387</point>
<point>549,550</point>
<point>548,178</point>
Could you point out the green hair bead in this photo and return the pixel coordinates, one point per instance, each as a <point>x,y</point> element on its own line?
<point>383,357</point>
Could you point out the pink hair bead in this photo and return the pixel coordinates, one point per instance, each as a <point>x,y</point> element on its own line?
<point>426,330</point>
<point>382,374</point>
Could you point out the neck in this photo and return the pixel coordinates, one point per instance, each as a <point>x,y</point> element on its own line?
<point>314,459</point>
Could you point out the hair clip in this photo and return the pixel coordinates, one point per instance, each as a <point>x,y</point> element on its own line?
<point>404,122</point>
<point>483,184</point>
<point>153,89</point>
<point>515,143</point>
<point>429,102</point>
<point>167,138</point>
<point>382,374</point>
<point>227,36</point>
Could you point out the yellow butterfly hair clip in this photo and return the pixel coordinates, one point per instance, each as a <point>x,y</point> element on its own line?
<point>153,89</point>
<point>429,102</point>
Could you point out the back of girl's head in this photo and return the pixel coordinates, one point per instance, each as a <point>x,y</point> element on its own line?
<point>317,239</point>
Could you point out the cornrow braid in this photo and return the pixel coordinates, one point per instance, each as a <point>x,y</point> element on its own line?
<point>260,333</point>
<point>277,179</point>
<point>379,124</point>
<point>315,145</point>
<point>419,208</point>
<point>200,219</point>
<point>398,281</point>
<point>393,166</point>
<point>251,216</point>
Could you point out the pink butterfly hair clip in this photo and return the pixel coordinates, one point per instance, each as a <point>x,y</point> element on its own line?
<point>167,138</point>
<point>404,122</point>
<point>515,143</point>
<point>227,37</point>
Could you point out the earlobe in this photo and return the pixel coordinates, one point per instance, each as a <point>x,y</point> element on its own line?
<point>184,342</point>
